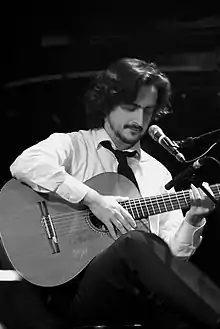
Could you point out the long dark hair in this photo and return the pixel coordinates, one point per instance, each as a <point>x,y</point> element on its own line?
<point>119,84</point>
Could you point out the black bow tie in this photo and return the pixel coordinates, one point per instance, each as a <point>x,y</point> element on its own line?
<point>121,156</point>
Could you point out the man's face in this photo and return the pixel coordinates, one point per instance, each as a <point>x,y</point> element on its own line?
<point>129,122</point>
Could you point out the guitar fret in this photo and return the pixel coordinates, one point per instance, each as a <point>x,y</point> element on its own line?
<point>182,201</point>
<point>162,205</point>
<point>143,215</point>
<point>172,202</point>
<point>158,203</point>
<point>137,209</point>
<point>150,206</point>
<point>134,210</point>
<point>164,202</point>
<point>178,203</point>
<point>155,205</point>
<point>175,202</point>
<point>168,202</point>
<point>184,195</point>
<point>131,208</point>
<point>170,198</point>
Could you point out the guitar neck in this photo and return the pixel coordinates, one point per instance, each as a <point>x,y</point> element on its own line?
<point>144,207</point>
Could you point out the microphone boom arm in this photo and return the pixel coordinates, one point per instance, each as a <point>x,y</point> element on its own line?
<point>187,173</point>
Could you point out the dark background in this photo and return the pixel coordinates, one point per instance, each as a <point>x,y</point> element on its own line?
<point>48,61</point>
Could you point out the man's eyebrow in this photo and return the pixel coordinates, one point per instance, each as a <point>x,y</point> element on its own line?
<point>129,105</point>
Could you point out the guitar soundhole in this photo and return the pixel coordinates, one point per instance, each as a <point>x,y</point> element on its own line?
<point>98,224</point>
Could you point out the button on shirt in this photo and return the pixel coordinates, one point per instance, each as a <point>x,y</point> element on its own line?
<point>64,161</point>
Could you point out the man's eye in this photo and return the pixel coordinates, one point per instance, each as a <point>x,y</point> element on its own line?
<point>129,107</point>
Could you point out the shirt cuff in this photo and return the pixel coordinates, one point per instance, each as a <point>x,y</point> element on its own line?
<point>72,189</point>
<point>187,239</point>
<point>190,234</point>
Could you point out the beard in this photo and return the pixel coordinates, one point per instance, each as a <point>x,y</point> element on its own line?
<point>131,141</point>
<point>121,137</point>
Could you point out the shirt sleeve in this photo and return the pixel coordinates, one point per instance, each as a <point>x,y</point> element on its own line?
<point>45,165</point>
<point>182,238</point>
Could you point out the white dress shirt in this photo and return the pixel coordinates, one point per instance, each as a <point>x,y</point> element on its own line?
<point>64,161</point>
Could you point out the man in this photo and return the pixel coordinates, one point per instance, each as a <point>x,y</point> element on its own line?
<point>121,104</point>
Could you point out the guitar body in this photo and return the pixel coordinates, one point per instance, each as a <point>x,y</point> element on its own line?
<point>79,238</point>
<point>49,240</point>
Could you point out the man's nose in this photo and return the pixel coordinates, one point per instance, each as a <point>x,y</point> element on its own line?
<point>139,116</point>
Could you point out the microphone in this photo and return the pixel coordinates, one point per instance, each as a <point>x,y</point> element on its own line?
<point>187,173</point>
<point>158,135</point>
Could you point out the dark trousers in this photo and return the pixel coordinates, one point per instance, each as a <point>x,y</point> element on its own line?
<point>137,280</point>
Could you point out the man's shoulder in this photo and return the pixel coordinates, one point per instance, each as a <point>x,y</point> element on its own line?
<point>83,139</point>
<point>80,134</point>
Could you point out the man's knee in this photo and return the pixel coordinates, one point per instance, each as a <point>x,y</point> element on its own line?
<point>138,242</point>
<point>130,242</point>
<point>136,236</point>
<point>139,237</point>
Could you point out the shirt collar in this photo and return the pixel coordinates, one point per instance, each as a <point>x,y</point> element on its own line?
<point>100,135</point>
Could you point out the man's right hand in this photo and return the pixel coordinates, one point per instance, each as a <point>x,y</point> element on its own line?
<point>107,209</point>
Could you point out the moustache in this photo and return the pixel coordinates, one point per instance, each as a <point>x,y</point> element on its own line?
<point>140,129</point>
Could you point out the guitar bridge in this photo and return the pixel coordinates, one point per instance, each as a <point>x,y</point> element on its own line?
<point>49,227</point>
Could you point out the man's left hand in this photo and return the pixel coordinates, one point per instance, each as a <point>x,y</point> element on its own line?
<point>201,205</point>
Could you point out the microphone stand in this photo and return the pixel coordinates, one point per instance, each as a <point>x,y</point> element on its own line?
<point>189,173</point>
<point>190,141</point>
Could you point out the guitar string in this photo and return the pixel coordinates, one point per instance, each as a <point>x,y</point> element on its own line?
<point>138,209</point>
<point>66,227</point>
<point>175,199</point>
<point>175,205</point>
<point>63,222</point>
<point>155,199</point>
<point>138,203</point>
<point>153,204</point>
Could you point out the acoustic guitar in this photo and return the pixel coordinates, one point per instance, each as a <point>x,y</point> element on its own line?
<point>49,240</point>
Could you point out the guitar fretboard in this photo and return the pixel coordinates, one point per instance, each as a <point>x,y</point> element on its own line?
<point>144,207</point>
